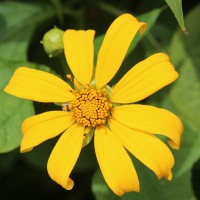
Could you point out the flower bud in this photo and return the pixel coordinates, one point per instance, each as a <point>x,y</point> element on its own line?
<point>53,42</point>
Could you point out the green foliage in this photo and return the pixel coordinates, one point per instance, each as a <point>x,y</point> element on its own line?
<point>176,7</point>
<point>189,102</point>
<point>185,95</point>
<point>13,111</point>
<point>18,22</point>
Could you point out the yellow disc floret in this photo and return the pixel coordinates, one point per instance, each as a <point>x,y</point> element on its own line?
<point>91,107</point>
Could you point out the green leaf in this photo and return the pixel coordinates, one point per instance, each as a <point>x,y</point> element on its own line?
<point>176,7</point>
<point>191,41</point>
<point>185,93</point>
<point>13,111</point>
<point>185,96</point>
<point>175,46</point>
<point>189,152</point>
<point>97,44</point>
<point>149,18</point>
<point>17,23</point>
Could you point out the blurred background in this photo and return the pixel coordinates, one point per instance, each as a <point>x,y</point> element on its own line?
<point>22,27</point>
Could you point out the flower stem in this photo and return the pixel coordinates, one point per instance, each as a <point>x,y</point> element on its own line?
<point>154,42</point>
<point>59,10</point>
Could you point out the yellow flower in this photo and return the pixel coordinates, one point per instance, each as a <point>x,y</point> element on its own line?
<point>91,105</point>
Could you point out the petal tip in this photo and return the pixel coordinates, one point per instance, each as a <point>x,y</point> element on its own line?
<point>143,28</point>
<point>70,184</point>
<point>169,177</point>
<point>6,89</point>
<point>174,145</point>
<point>25,150</point>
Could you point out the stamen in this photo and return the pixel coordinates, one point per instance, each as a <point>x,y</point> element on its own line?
<point>91,107</point>
<point>77,85</point>
<point>69,76</point>
<point>73,92</point>
<point>65,108</point>
<point>74,81</point>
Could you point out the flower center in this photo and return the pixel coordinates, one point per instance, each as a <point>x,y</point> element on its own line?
<point>91,107</point>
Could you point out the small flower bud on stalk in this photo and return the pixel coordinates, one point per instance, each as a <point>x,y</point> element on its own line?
<point>53,42</point>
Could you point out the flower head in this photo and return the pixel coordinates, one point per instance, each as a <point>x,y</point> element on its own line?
<point>109,112</point>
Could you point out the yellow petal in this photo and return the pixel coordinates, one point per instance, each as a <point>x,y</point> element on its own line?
<point>115,164</point>
<point>38,128</point>
<point>151,120</point>
<point>145,147</point>
<point>79,52</point>
<point>144,79</point>
<point>39,86</point>
<point>114,47</point>
<point>65,155</point>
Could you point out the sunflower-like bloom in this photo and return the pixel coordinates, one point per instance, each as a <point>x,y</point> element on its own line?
<point>92,105</point>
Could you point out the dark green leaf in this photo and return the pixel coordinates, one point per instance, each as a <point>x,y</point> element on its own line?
<point>13,111</point>
<point>97,44</point>
<point>17,24</point>
<point>176,7</point>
